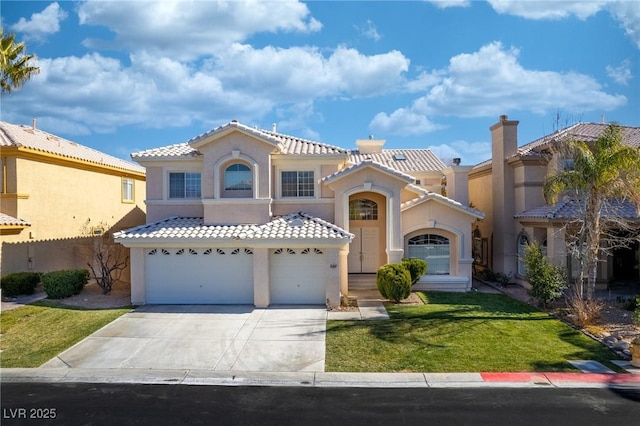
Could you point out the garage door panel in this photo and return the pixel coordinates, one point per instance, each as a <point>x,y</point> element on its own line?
<point>199,276</point>
<point>298,276</point>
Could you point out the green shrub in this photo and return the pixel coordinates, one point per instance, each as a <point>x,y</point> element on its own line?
<point>547,281</point>
<point>416,268</point>
<point>19,283</point>
<point>394,282</point>
<point>636,312</point>
<point>66,283</point>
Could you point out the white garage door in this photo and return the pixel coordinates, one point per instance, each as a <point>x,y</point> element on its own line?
<point>199,276</point>
<point>298,276</point>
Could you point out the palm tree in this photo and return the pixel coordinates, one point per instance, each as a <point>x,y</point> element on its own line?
<point>16,65</point>
<point>604,171</point>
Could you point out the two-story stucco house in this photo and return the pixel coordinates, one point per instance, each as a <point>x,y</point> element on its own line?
<point>55,194</point>
<point>240,215</point>
<point>509,189</point>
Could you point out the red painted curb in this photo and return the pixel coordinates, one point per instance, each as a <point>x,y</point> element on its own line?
<point>561,377</point>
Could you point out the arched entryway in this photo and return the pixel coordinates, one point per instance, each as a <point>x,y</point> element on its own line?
<point>367,221</point>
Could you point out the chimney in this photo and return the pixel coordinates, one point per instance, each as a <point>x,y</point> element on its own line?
<point>458,182</point>
<point>33,124</point>
<point>370,146</point>
<point>504,144</point>
<point>274,127</point>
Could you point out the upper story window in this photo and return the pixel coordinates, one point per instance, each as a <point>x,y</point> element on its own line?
<point>363,209</point>
<point>184,185</point>
<point>298,184</point>
<point>128,190</point>
<point>238,177</point>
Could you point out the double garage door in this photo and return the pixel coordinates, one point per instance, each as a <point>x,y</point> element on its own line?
<point>225,276</point>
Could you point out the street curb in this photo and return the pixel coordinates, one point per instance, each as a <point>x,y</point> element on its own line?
<point>321,379</point>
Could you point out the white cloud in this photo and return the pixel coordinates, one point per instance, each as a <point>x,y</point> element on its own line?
<point>402,122</point>
<point>548,9</point>
<point>287,75</point>
<point>41,24</point>
<point>491,81</point>
<point>620,74</point>
<point>628,14</point>
<point>369,30</point>
<point>189,29</point>
<point>443,4</point>
<point>470,153</point>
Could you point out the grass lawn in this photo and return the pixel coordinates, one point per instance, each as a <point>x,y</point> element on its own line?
<point>460,332</point>
<point>33,334</point>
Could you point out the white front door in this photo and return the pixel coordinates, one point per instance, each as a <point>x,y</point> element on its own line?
<point>364,252</point>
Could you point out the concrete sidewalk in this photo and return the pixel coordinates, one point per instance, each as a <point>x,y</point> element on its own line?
<point>321,379</point>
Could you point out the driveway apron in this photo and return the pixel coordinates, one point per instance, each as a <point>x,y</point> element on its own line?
<point>207,337</point>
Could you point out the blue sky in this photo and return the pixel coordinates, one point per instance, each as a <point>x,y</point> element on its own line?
<point>125,76</point>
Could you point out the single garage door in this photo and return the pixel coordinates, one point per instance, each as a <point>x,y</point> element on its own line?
<point>297,276</point>
<point>199,276</point>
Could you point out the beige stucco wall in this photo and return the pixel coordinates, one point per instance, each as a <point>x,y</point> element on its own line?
<point>62,203</point>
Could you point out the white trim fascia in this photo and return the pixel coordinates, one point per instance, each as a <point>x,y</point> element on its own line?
<point>235,201</point>
<point>310,157</point>
<point>174,201</point>
<point>219,243</point>
<point>307,200</point>
<point>169,161</point>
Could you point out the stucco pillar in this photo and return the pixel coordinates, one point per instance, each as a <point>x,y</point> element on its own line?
<point>138,280</point>
<point>343,270</point>
<point>334,284</point>
<point>395,244</point>
<point>261,283</point>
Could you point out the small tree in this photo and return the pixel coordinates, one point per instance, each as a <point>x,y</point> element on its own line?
<point>547,281</point>
<point>394,282</point>
<point>109,259</point>
<point>416,267</point>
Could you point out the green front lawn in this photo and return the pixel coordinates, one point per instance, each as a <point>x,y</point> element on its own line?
<point>33,334</point>
<point>460,332</point>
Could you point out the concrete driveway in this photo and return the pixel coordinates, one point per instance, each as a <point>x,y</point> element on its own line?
<point>221,338</point>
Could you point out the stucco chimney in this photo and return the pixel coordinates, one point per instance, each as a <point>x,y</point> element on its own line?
<point>370,146</point>
<point>33,124</point>
<point>458,182</point>
<point>504,144</point>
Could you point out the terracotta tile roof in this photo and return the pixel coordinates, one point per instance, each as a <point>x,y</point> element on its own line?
<point>586,132</point>
<point>570,209</point>
<point>368,163</point>
<point>13,135</point>
<point>292,226</point>
<point>416,160</point>
<point>6,220</point>
<point>285,144</point>
<point>428,195</point>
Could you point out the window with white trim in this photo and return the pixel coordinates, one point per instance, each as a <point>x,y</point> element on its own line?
<point>128,190</point>
<point>433,249</point>
<point>184,185</point>
<point>297,184</point>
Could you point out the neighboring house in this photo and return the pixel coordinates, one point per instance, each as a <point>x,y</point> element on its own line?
<point>55,194</point>
<point>516,212</point>
<point>249,216</point>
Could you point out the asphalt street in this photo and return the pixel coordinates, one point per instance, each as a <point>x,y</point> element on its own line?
<point>109,404</point>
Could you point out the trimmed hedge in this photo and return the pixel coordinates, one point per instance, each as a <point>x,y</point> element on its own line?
<point>416,268</point>
<point>65,283</point>
<point>19,283</point>
<point>394,282</point>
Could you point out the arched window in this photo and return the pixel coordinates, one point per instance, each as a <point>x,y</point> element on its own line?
<point>363,209</point>
<point>238,177</point>
<point>433,249</point>
<point>523,242</point>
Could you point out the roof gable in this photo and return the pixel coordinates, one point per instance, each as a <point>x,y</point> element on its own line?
<point>434,197</point>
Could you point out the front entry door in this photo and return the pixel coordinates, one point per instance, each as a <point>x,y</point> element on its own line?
<point>364,254</point>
